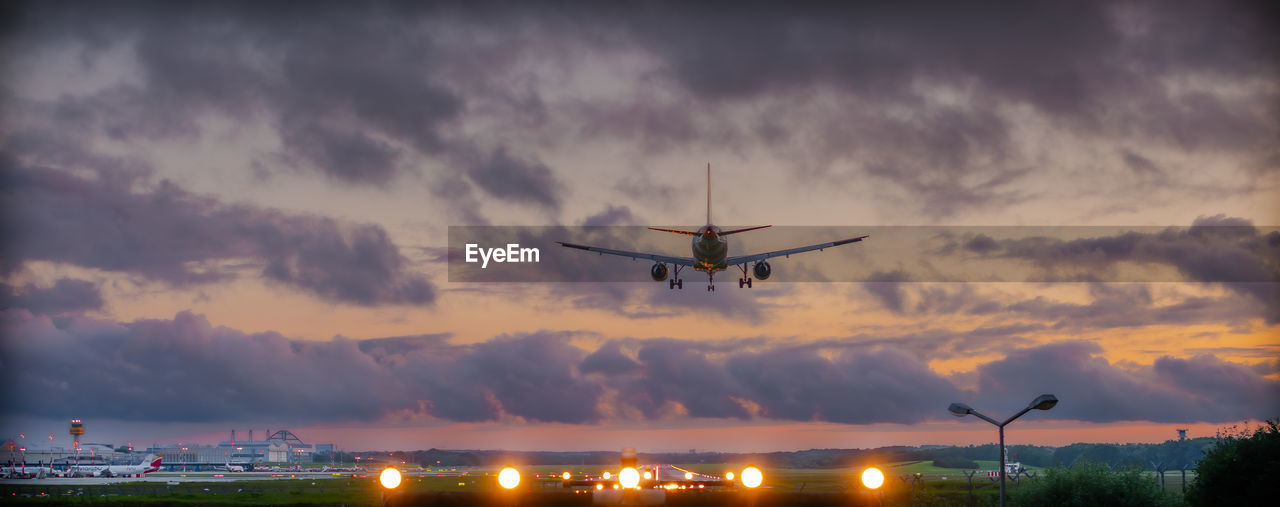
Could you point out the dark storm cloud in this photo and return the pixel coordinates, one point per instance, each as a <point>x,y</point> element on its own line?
<point>347,155</point>
<point>678,371</point>
<point>1230,386</point>
<point>1217,248</point>
<point>163,370</point>
<point>185,369</point>
<point>1174,390</point>
<point>511,179</point>
<point>611,215</point>
<point>1110,305</point>
<point>1093,68</point>
<point>351,92</point>
<point>887,287</point>
<point>1121,305</point>
<point>406,81</point>
<point>168,234</point>
<point>1063,59</point>
<point>66,295</point>
<point>534,376</point>
<point>609,360</point>
<point>855,388</point>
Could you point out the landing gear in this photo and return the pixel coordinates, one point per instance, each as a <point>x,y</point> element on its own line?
<point>711,281</point>
<point>676,281</point>
<point>746,279</point>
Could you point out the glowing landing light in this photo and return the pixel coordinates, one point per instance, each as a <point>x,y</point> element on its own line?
<point>565,476</point>
<point>751,477</point>
<point>872,478</point>
<point>729,476</point>
<point>688,476</point>
<point>390,478</point>
<point>509,478</point>
<point>607,476</point>
<point>629,478</point>
<point>647,475</point>
<point>599,486</point>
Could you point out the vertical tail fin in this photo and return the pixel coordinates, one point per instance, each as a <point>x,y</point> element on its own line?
<point>708,193</point>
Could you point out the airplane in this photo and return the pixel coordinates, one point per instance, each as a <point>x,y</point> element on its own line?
<point>150,463</point>
<point>234,468</point>
<point>24,471</point>
<point>710,253</point>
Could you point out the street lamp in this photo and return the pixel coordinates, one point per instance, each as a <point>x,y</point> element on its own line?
<point>1042,402</point>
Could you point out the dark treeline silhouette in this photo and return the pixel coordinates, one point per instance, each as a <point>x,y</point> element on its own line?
<point>1171,455</point>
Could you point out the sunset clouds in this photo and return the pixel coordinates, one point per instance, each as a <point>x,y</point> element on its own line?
<point>237,212</point>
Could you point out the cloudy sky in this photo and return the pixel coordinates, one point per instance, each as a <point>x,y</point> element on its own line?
<point>234,215</point>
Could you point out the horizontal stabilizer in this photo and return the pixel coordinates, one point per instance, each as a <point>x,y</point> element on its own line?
<point>686,233</point>
<point>745,229</point>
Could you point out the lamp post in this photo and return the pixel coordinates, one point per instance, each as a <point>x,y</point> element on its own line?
<point>390,479</point>
<point>873,478</point>
<point>1042,402</point>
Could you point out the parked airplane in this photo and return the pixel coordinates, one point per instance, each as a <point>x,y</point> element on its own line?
<point>710,253</point>
<point>149,464</point>
<point>234,468</point>
<point>25,471</point>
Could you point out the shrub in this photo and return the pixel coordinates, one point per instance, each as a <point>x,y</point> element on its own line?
<point>1240,470</point>
<point>1090,484</point>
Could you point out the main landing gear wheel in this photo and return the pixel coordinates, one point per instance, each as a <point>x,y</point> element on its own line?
<point>711,288</point>
<point>677,283</point>
<point>744,281</point>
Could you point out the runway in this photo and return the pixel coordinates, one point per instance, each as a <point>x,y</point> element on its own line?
<point>179,478</point>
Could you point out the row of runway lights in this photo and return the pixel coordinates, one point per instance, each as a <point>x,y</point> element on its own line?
<point>629,478</point>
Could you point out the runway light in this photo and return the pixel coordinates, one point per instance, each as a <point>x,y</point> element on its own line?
<point>629,478</point>
<point>872,478</point>
<point>751,477</point>
<point>607,476</point>
<point>390,478</point>
<point>647,475</point>
<point>728,475</point>
<point>565,476</point>
<point>599,486</point>
<point>688,476</point>
<point>509,478</point>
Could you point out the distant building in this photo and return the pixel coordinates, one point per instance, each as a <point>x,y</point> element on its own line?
<point>280,447</point>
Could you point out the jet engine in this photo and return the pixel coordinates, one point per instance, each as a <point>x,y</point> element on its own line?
<point>762,270</point>
<point>658,272</point>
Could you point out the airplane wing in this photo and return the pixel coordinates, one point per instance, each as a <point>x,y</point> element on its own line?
<point>683,261</point>
<point>762,256</point>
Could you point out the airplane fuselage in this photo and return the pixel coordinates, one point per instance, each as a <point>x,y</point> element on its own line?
<point>709,250</point>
